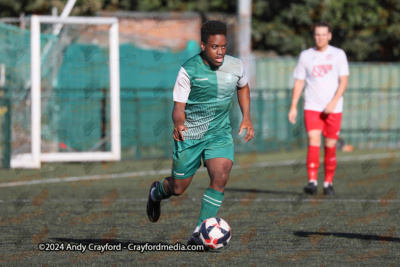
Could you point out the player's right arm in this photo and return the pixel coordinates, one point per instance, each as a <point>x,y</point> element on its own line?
<point>297,89</point>
<point>181,96</point>
<point>300,76</point>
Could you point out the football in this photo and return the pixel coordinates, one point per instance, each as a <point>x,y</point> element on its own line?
<point>215,233</point>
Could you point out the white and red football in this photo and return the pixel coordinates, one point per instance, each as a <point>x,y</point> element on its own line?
<point>215,233</point>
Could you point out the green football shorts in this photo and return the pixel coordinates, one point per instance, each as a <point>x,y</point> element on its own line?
<point>187,154</point>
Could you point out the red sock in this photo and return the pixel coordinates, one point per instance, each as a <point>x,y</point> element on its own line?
<point>330,163</point>
<point>313,163</point>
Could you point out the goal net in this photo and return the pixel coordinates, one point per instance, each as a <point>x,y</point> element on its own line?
<point>65,91</point>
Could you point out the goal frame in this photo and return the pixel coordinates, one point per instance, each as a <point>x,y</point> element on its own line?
<point>34,159</point>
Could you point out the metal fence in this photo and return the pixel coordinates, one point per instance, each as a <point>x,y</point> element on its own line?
<point>369,121</point>
<point>370,118</point>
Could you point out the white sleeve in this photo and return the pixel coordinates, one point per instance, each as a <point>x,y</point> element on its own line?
<point>182,87</point>
<point>343,65</point>
<point>243,77</point>
<point>300,70</point>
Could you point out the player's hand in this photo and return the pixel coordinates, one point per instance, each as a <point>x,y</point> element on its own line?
<point>178,132</point>
<point>292,115</point>
<point>330,108</point>
<point>246,124</point>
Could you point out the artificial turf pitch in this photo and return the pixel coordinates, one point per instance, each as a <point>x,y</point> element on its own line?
<point>272,222</point>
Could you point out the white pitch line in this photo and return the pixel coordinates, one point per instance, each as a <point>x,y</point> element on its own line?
<point>168,171</point>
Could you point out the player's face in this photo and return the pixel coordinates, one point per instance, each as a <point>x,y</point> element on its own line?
<point>322,36</point>
<point>214,50</point>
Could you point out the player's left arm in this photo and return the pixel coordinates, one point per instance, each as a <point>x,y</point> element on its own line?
<point>339,93</point>
<point>244,103</point>
<point>343,79</point>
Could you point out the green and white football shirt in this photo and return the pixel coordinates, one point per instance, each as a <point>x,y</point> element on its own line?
<point>208,95</point>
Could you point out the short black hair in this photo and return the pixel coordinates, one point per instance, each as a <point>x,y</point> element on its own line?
<point>212,27</point>
<point>322,24</point>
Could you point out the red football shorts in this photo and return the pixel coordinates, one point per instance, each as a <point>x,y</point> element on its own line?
<point>328,123</point>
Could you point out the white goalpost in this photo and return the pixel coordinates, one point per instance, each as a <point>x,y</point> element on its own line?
<point>36,155</point>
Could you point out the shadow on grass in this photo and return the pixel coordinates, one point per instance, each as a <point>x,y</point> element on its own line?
<point>349,235</point>
<point>261,191</point>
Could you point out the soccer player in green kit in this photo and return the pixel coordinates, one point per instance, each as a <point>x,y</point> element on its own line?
<point>203,97</point>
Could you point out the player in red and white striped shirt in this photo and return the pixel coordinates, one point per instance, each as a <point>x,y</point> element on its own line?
<point>325,71</point>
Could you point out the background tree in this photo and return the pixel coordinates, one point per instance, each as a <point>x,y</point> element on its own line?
<point>368,30</point>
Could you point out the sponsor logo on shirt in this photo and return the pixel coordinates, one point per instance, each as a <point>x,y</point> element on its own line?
<point>201,79</point>
<point>321,70</point>
<point>329,57</point>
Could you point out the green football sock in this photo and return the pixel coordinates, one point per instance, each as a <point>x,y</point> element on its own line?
<point>212,200</point>
<point>159,192</point>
